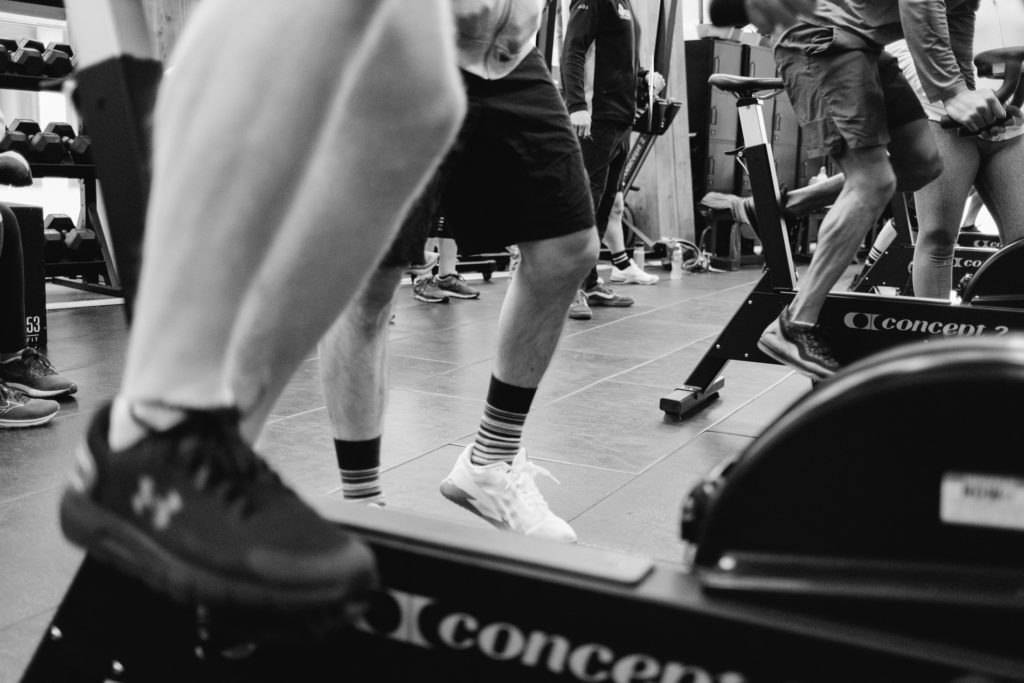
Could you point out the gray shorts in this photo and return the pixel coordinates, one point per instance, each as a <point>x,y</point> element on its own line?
<point>847,91</point>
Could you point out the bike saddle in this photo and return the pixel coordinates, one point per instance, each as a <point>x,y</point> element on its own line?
<point>743,85</point>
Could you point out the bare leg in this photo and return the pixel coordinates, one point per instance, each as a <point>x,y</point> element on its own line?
<point>999,185</point>
<point>337,185</point>
<point>869,185</point>
<point>533,313</point>
<point>939,207</point>
<point>448,252</point>
<point>268,204</point>
<point>354,360</point>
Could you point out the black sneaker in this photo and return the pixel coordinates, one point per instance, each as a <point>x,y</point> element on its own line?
<point>194,513</point>
<point>33,374</point>
<point>799,346</point>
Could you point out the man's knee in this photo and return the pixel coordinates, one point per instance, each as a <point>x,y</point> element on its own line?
<point>370,310</point>
<point>568,257</point>
<point>875,184</point>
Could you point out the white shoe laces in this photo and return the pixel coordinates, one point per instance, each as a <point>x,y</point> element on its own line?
<point>522,482</point>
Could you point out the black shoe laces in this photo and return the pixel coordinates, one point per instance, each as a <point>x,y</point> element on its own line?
<point>37,364</point>
<point>815,342</point>
<point>221,463</point>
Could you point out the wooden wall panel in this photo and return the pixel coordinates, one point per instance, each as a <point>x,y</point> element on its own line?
<point>664,205</point>
<point>166,19</point>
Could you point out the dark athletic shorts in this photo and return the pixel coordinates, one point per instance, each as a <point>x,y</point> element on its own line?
<point>408,245</point>
<point>515,172</point>
<point>847,92</point>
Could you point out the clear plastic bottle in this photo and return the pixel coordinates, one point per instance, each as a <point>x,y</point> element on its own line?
<point>639,256</point>
<point>813,180</point>
<point>677,262</point>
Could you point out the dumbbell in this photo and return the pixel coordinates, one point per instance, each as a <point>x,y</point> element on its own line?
<point>40,146</point>
<point>51,145</point>
<point>58,60</point>
<point>18,136</point>
<point>81,242</point>
<point>7,46</point>
<point>81,149</point>
<point>55,229</point>
<point>26,57</point>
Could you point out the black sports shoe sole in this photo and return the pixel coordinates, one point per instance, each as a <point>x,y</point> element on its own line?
<point>109,540</point>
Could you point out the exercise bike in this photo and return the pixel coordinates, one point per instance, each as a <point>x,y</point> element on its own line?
<point>858,324</point>
<point>890,270</point>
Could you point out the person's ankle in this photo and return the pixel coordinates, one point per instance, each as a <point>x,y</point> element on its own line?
<point>130,421</point>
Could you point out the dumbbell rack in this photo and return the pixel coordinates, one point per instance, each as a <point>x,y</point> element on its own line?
<point>66,273</point>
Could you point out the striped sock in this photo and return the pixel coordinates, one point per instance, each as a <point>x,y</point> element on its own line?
<point>620,260</point>
<point>501,428</point>
<point>359,462</point>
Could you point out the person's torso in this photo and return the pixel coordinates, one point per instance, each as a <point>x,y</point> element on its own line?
<point>616,62</point>
<point>493,36</point>
<point>877,20</point>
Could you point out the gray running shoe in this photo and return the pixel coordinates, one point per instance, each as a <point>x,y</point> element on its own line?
<point>18,410</point>
<point>604,296</point>
<point>455,285</point>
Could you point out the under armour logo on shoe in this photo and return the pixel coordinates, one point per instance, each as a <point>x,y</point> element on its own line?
<point>162,508</point>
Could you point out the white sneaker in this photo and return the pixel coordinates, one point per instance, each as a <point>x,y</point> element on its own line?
<point>506,496</point>
<point>634,275</point>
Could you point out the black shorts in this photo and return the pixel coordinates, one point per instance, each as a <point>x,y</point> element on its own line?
<point>847,92</point>
<point>516,170</point>
<point>408,246</point>
<point>514,174</point>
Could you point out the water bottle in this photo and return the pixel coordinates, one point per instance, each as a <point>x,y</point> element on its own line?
<point>677,262</point>
<point>822,175</point>
<point>814,180</point>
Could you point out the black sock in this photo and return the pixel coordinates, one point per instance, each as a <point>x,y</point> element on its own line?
<point>359,462</point>
<point>501,427</point>
<point>620,260</point>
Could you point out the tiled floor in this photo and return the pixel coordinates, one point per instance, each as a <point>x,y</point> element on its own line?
<point>596,425</point>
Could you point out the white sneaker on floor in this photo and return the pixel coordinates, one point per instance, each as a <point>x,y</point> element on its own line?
<point>506,496</point>
<point>634,275</point>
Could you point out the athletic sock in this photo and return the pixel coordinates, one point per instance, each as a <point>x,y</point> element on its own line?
<point>620,260</point>
<point>501,428</point>
<point>359,463</point>
<point>131,421</point>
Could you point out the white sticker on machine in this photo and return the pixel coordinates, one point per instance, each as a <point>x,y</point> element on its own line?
<point>982,500</point>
